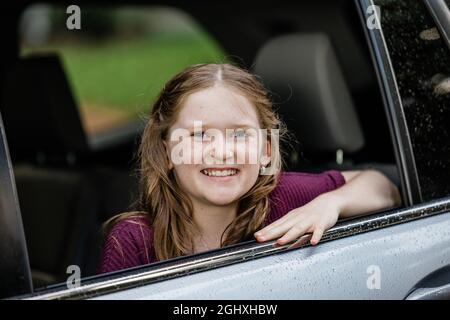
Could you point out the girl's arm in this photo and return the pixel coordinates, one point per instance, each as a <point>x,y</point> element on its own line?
<point>364,191</point>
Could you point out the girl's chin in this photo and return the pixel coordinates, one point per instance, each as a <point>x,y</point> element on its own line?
<point>221,200</point>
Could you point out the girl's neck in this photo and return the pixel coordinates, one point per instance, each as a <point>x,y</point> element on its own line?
<point>212,222</point>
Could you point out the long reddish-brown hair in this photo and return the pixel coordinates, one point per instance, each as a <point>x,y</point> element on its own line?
<point>168,208</point>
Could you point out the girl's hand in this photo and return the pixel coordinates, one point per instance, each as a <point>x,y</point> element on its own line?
<point>315,217</point>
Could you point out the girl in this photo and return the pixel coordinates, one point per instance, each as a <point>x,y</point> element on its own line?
<point>209,199</point>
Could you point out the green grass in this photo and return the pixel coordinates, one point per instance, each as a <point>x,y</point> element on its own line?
<point>127,75</point>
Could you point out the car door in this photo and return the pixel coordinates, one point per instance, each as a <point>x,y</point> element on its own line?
<point>14,264</point>
<point>396,254</point>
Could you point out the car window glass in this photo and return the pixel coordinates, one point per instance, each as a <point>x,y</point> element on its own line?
<point>421,63</point>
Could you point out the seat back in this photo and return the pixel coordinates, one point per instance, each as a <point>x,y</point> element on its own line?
<point>40,115</point>
<point>57,197</point>
<point>303,74</point>
<point>59,209</point>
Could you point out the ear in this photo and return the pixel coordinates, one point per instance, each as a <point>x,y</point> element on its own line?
<point>166,147</point>
<point>265,158</point>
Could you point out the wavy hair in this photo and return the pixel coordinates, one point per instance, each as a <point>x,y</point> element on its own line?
<point>168,208</point>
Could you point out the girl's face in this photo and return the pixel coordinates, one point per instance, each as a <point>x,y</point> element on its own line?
<point>215,146</point>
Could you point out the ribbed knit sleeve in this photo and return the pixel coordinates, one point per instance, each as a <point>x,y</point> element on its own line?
<point>295,189</point>
<point>128,244</point>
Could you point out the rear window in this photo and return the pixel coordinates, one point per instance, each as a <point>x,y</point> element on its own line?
<point>120,58</point>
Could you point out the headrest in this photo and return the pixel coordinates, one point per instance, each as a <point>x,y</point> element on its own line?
<point>39,111</point>
<point>310,92</point>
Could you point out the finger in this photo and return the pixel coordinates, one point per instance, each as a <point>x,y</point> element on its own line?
<point>295,232</point>
<point>303,239</point>
<point>275,232</point>
<point>274,224</point>
<point>317,235</point>
<point>291,218</point>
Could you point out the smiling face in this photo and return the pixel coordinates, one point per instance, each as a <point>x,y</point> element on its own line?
<point>223,154</point>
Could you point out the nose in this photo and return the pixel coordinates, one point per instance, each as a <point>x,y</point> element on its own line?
<point>220,150</point>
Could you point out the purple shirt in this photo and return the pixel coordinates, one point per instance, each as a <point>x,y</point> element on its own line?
<point>130,241</point>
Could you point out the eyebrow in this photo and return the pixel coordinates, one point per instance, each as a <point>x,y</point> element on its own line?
<point>232,126</point>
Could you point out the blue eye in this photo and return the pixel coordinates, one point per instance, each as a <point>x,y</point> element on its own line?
<point>240,134</point>
<point>198,134</point>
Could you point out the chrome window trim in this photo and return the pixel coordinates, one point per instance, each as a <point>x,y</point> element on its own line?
<point>246,251</point>
<point>441,16</point>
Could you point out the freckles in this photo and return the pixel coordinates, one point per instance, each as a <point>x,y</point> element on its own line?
<point>239,152</point>
<point>197,152</point>
<point>247,151</point>
<point>180,153</point>
<point>252,150</point>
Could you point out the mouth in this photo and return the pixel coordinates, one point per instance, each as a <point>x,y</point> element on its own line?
<point>220,172</point>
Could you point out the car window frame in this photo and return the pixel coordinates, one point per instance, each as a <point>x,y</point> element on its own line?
<point>440,12</point>
<point>406,164</point>
<point>177,267</point>
<point>15,272</point>
<point>94,286</point>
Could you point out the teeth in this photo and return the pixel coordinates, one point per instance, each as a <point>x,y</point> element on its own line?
<point>219,173</point>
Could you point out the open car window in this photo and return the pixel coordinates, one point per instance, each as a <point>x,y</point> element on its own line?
<point>146,54</point>
<point>120,58</point>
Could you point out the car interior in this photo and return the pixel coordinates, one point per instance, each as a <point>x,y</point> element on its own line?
<point>314,61</point>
